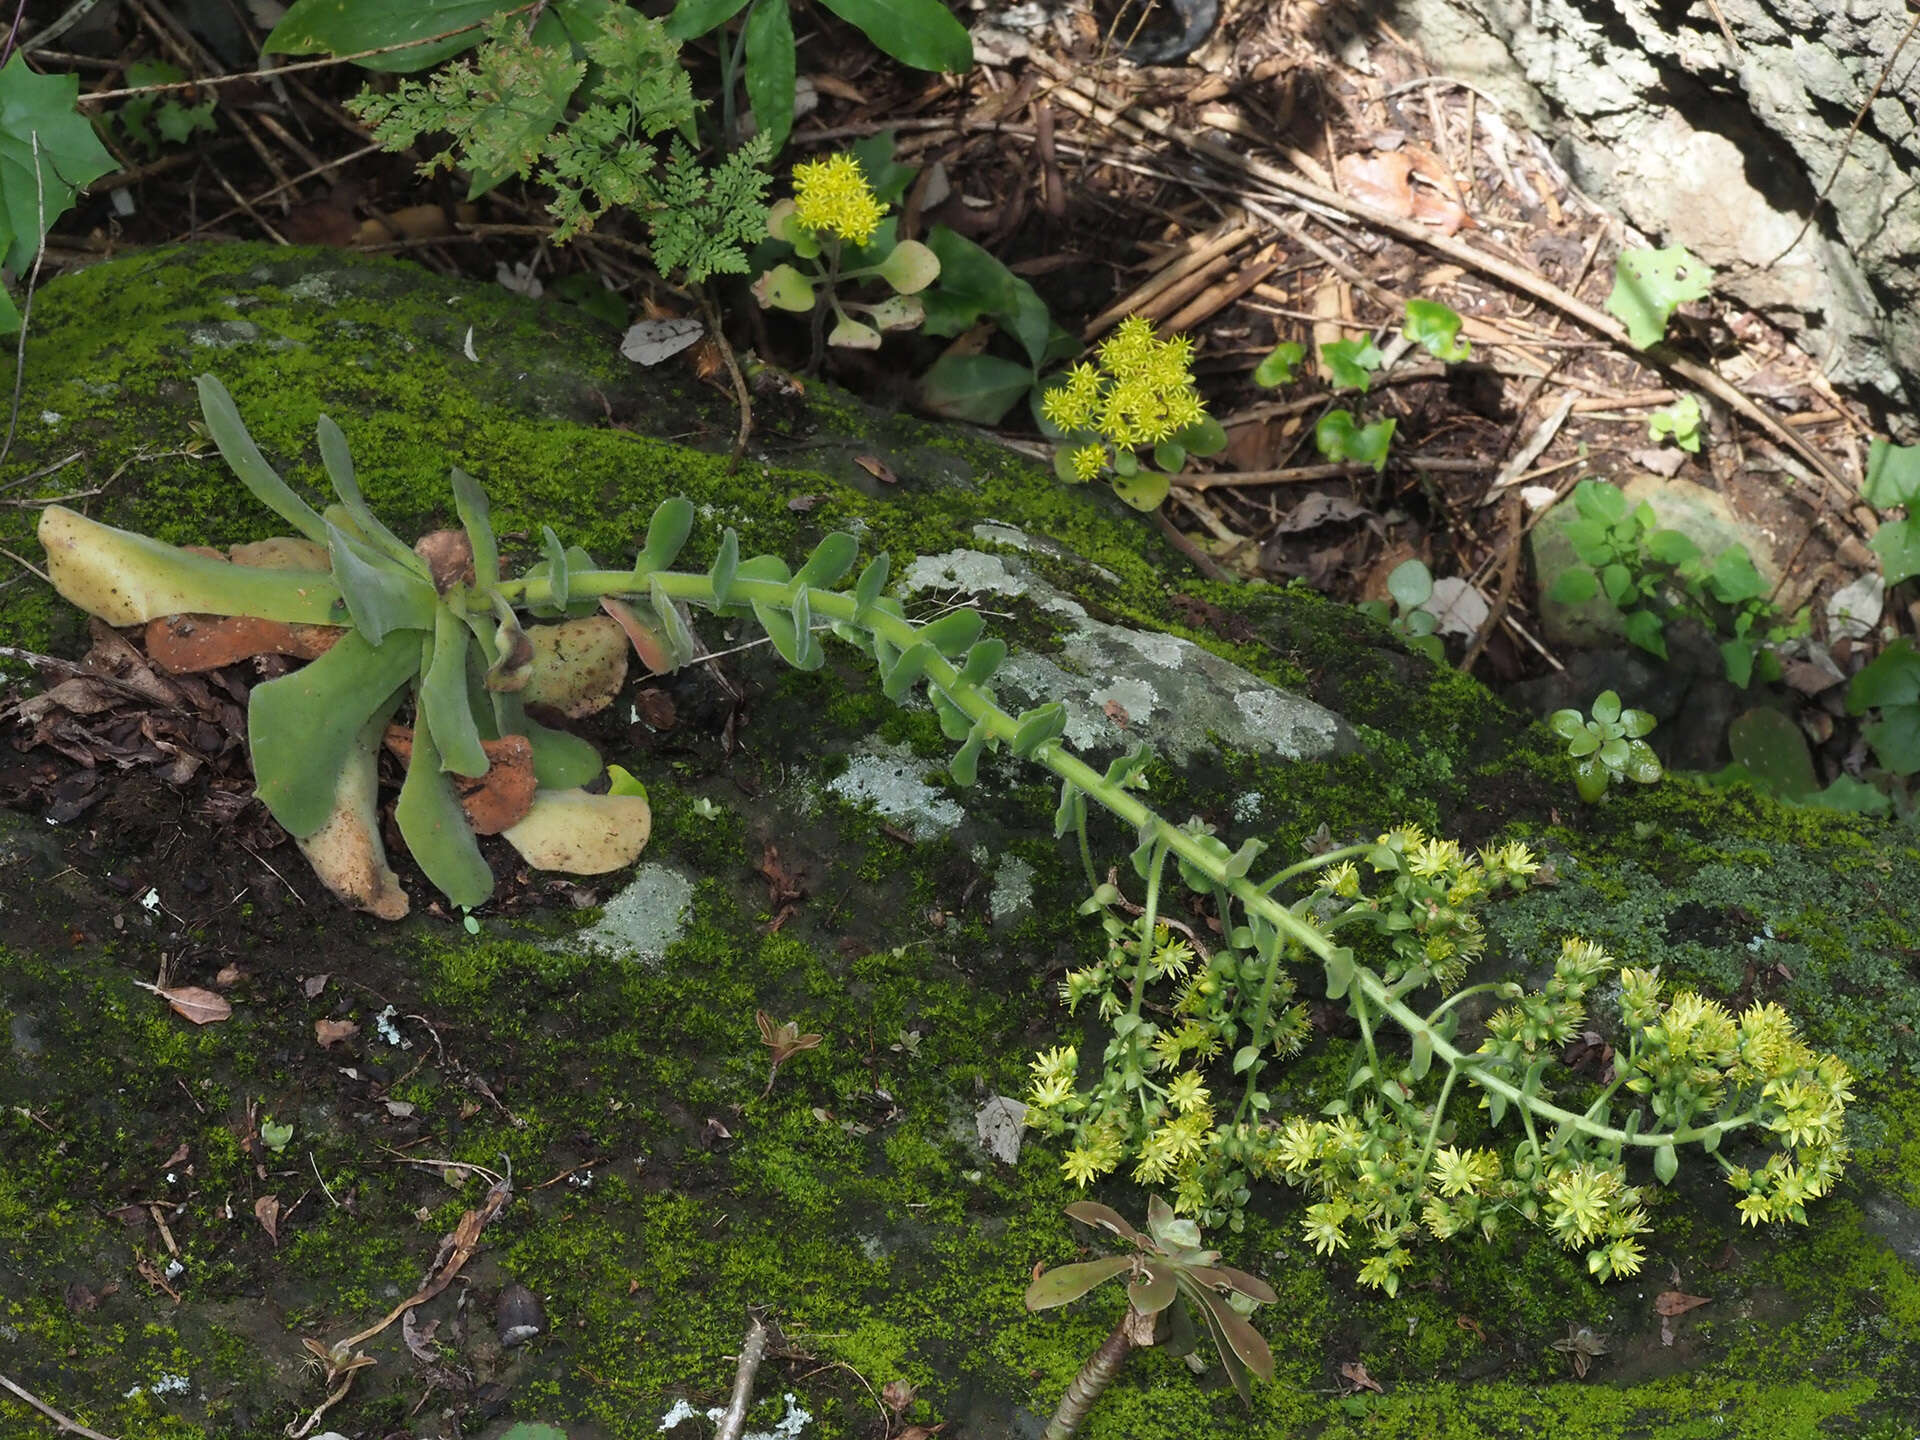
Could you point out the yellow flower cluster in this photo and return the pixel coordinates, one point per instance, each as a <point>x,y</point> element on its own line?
<point>1140,393</point>
<point>832,197</point>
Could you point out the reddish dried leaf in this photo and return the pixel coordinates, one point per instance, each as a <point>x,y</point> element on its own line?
<point>877,468</point>
<point>192,1002</point>
<point>267,1211</point>
<point>1382,181</point>
<point>187,644</point>
<point>331,1032</point>
<point>1675,1302</point>
<point>497,800</point>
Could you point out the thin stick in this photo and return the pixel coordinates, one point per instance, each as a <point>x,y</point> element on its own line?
<point>752,1352</point>
<point>67,1425</point>
<point>739,381</point>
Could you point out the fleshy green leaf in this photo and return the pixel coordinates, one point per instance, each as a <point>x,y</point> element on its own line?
<point>301,727</point>
<point>470,502</point>
<point>954,632</point>
<point>1037,727</point>
<point>872,581</point>
<point>435,827</point>
<point>1143,490</point>
<point>965,765</point>
<point>725,564</point>
<point>558,590</point>
<point>832,558</point>
<point>243,457</point>
<point>983,659</point>
<point>339,466</point>
<point>1066,1283</point>
<point>784,288</point>
<point>1666,1164</point>
<point>667,532</point>
<point>906,671</point>
<point>381,597</point>
<point>910,267</point>
<point>443,697</point>
<point>1411,584</point>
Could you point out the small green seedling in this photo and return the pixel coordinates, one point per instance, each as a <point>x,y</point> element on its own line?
<point>1169,1277</point>
<point>1342,438</point>
<point>1680,420</point>
<point>275,1136</point>
<point>1411,586</point>
<point>1608,748</point>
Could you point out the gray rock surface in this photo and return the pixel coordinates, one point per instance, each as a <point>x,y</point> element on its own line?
<point>1721,140</point>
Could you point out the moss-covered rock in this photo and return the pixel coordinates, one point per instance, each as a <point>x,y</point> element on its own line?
<point>812,861</point>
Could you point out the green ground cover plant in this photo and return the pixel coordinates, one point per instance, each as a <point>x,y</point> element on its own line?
<point>1650,574</point>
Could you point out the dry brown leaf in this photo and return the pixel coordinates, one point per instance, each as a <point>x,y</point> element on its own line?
<point>1675,1302</point>
<point>313,985</point>
<point>186,644</point>
<point>1355,1374</point>
<point>1382,181</point>
<point>192,1002</point>
<point>331,1032</point>
<point>267,1211</point>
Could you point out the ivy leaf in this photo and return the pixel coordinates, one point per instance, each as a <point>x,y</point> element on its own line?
<point>1278,366</point>
<point>48,152</point>
<point>1898,546</point>
<point>1893,475</point>
<point>1649,285</point>
<point>1340,438</point>
<point>1351,363</point>
<point>1437,328</point>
